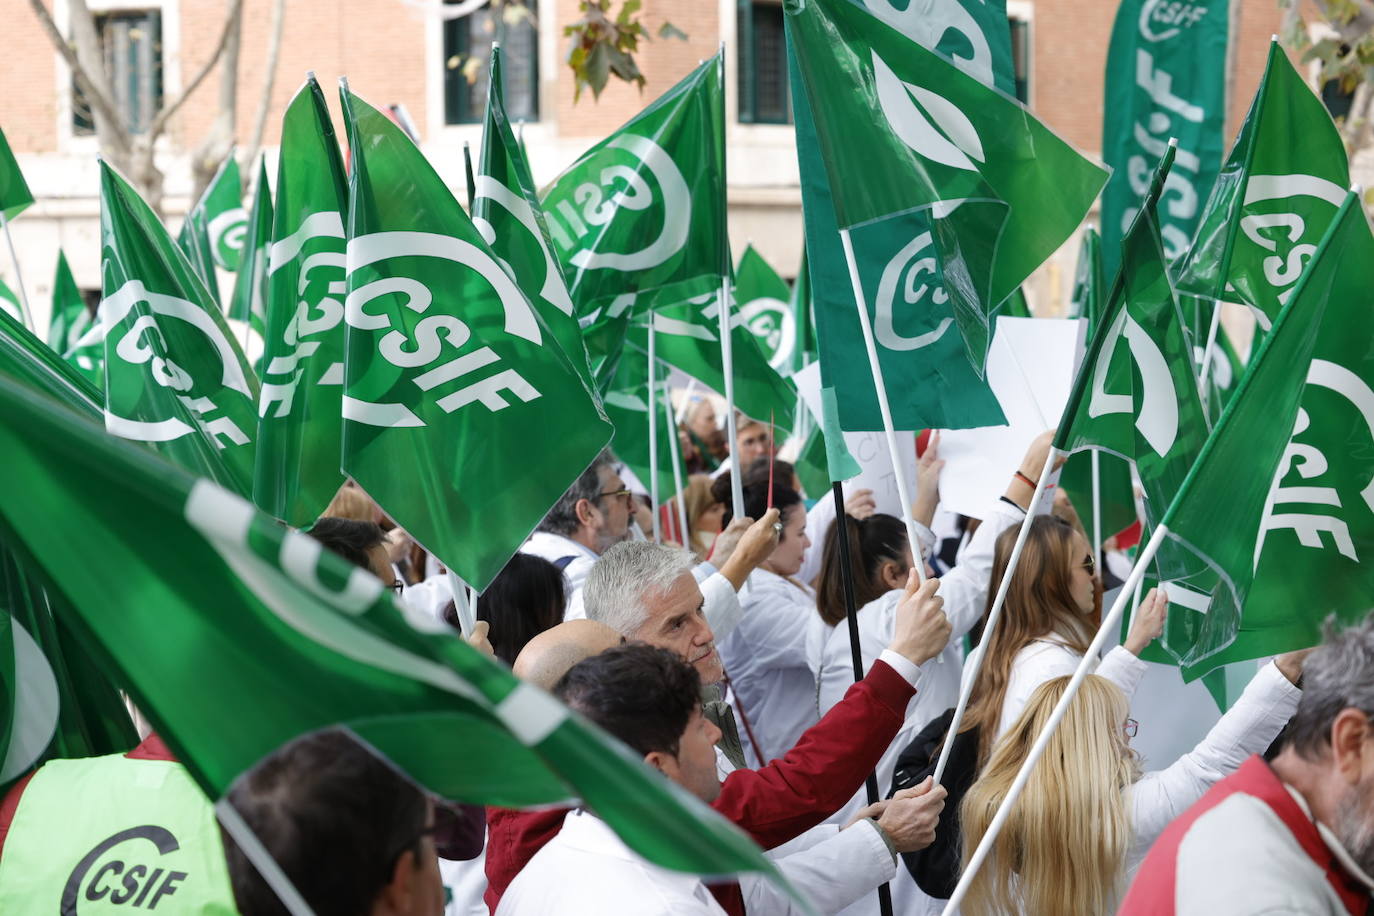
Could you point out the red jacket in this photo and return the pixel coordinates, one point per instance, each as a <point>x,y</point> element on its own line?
<point>1227,868</point>
<point>773,804</point>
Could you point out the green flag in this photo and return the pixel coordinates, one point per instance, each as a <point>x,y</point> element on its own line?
<point>800,302</point>
<point>234,635</point>
<point>15,196</point>
<point>627,407</point>
<point>463,418</point>
<point>250,282</point>
<point>507,211</point>
<point>226,222</point>
<point>1279,190</point>
<point>1299,426</point>
<point>70,317</point>
<point>1136,394</point>
<point>194,241</point>
<point>1166,78</point>
<point>25,357</point>
<point>174,376</point>
<point>762,298</point>
<point>300,423</point>
<point>9,302</point>
<point>929,380</point>
<point>900,129</point>
<point>642,213</point>
<point>1089,281</point>
<point>687,336</point>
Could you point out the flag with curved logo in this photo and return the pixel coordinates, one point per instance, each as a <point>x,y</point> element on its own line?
<point>1281,503</point>
<point>463,416</point>
<point>235,635</point>
<point>930,381</point>
<point>1282,183</point>
<point>642,213</point>
<point>762,299</point>
<point>507,211</point>
<point>70,317</point>
<point>1166,78</point>
<point>901,129</point>
<point>248,302</point>
<point>226,222</point>
<point>175,378</point>
<point>300,427</point>
<point>1136,395</point>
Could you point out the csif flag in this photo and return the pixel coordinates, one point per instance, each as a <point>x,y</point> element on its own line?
<point>463,417</point>
<point>70,317</point>
<point>15,196</point>
<point>763,301</point>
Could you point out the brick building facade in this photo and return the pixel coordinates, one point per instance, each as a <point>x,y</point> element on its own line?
<point>394,51</point>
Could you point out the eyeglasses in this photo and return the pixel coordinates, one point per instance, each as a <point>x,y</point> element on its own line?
<point>1129,728</point>
<point>622,493</point>
<point>1090,564</point>
<point>397,587</point>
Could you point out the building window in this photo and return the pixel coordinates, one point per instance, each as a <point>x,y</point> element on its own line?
<point>467,48</point>
<point>131,42</point>
<point>1020,56</point>
<point>762,64</point>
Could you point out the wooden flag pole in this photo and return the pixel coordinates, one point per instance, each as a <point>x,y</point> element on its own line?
<point>728,361</point>
<point>27,313</point>
<point>1108,630</point>
<point>653,435</point>
<point>974,663</point>
<point>894,451</point>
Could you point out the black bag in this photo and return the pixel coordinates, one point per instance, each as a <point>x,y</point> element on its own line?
<point>936,868</point>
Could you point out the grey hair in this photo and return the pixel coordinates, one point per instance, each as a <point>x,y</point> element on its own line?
<point>1339,675</point>
<point>562,517</point>
<point>627,577</point>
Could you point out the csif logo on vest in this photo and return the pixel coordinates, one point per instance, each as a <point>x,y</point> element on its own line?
<point>582,224</point>
<point>913,275</point>
<point>143,341</point>
<point>1304,464</point>
<point>1161,20</point>
<point>430,351</point>
<point>121,870</point>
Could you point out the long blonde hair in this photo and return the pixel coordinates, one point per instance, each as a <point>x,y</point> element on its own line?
<point>1039,601</point>
<point>1063,849</point>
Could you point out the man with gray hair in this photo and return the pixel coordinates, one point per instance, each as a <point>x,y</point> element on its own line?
<point>1295,835</point>
<point>595,514</point>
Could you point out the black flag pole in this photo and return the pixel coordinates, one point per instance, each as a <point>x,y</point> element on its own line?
<point>851,617</point>
<point>467,168</point>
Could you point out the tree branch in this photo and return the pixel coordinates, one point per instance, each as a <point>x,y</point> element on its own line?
<point>95,95</point>
<point>269,81</point>
<point>1359,25</point>
<point>160,122</point>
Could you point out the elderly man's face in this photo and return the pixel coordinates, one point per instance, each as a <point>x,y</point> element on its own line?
<point>676,622</point>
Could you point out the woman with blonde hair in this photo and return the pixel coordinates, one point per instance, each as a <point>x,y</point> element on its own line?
<point>1087,816</point>
<point>704,514</point>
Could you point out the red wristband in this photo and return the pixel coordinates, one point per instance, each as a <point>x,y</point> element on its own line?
<point>1026,480</point>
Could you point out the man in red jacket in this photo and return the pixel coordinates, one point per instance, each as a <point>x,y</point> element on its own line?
<point>791,795</point>
<point>1294,836</point>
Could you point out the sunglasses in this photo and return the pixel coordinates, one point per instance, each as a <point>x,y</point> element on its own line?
<point>1090,564</point>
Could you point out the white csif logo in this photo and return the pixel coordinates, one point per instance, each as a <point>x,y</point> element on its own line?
<point>771,321</point>
<point>927,22</point>
<point>1282,269</point>
<point>914,279</point>
<point>1157,419</point>
<point>1161,20</point>
<point>553,291</point>
<point>144,342</point>
<point>227,231</point>
<point>622,188</point>
<point>925,121</point>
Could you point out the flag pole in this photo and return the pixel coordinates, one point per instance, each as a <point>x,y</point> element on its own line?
<point>851,617</point>
<point>1202,375</point>
<point>894,452</point>
<point>676,458</point>
<point>262,859</point>
<point>653,435</point>
<point>18,275</point>
<point>1097,509</point>
<point>728,360</point>
<point>681,414</point>
<point>974,663</point>
<point>1090,659</point>
<point>467,173</point>
<point>467,619</point>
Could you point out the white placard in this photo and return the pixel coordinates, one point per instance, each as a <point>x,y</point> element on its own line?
<point>868,448</point>
<point>1031,369</point>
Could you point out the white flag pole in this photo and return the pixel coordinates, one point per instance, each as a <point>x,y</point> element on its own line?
<point>1202,377</point>
<point>974,663</point>
<point>1110,623</point>
<point>18,276</point>
<point>1097,509</point>
<point>894,452</point>
<point>467,615</point>
<point>651,399</point>
<point>675,456</point>
<point>728,360</point>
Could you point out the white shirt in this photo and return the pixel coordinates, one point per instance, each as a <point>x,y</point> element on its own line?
<point>586,870</point>
<point>554,548</point>
<point>1048,658</point>
<point>770,659</point>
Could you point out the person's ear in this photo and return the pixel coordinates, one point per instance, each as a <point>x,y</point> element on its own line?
<point>585,511</point>
<point>398,895</point>
<point>1350,732</point>
<point>663,762</point>
<point>892,574</point>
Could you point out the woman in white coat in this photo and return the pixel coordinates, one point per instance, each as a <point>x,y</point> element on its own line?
<point>1087,816</point>
<point>771,656</point>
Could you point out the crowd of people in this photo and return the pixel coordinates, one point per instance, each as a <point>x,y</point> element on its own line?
<point>725,661</point>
